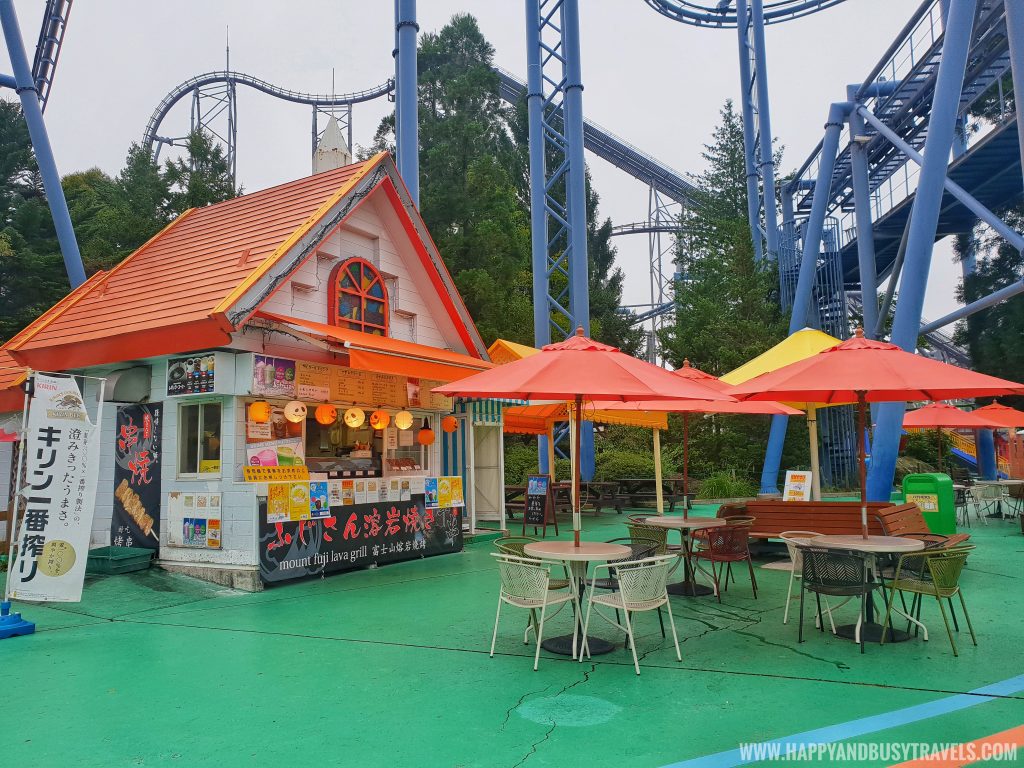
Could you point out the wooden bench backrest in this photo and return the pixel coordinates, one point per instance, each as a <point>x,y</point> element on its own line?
<point>901,519</point>
<point>830,517</point>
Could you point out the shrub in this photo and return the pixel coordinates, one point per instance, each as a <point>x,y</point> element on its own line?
<point>615,465</point>
<point>520,461</point>
<point>725,485</point>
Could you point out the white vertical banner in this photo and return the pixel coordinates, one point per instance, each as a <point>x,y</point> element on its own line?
<point>59,492</point>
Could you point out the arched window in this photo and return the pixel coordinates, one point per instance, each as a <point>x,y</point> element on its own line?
<point>359,298</point>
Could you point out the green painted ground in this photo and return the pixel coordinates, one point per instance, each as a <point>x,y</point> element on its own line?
<point>389,667</point>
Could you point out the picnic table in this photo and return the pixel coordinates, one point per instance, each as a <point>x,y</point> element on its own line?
<point>594,496</point>
<point>634,491</point>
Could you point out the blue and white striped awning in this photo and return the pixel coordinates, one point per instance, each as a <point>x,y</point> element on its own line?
<point>485,411</point>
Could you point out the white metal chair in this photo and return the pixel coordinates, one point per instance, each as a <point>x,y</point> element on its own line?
<point>642,587</point>
<point>990,496</point>
<point>790,538</point>
<point>525,584</point>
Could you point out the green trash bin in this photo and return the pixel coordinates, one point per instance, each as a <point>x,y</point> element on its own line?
<point>933,493</point>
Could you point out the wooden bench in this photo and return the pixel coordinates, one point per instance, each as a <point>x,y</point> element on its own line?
<point>635,491</point>
<point>771,518</point>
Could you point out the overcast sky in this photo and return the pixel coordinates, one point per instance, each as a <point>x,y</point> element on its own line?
<point>652,81</point>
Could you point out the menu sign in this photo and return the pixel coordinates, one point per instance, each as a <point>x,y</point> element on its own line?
<point>798,486</point>
<point>348,385</point>
<point>435,402</point>
<point>273,376</point>
<point>191,375</point>
<point>540,507</point>
<point>313,381</point>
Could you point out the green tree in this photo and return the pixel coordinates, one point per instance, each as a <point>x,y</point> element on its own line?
<point>201,178</point>
<point>727,309</point>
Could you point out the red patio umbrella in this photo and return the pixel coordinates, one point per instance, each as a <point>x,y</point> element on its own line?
<point>1003,416</point>
<point>686,407</point>
<point>863,370</point>
<point>580,369</point>
<point>938,415</point>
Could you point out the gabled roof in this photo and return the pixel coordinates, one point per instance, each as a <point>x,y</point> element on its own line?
<point>207,272</point>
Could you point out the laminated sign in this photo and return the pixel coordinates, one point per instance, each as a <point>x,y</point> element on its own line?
<point>61,468</point>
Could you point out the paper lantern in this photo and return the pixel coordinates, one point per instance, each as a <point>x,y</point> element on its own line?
<point>403,419</point>
<point>426,435</point>
<point>379,419</point>
<point>259,412</point>
<point>295,411</point>
<point>449,424</point>
<point>354,417</point>
<point>326,414</point>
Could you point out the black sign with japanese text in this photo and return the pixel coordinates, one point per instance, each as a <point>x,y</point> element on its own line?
<point>356,535</point>
<point>137,452</point>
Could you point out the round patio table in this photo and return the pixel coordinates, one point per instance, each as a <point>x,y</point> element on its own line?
<point>687,587</point>
<point>870,547</point>
<point>577,558</point>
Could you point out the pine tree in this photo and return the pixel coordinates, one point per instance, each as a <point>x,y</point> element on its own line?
<point>201,178</point>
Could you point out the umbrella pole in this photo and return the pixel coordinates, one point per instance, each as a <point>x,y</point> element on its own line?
<point>551,452</point>
<point>686,464</point>
<point>576,473</point>
<point>938,440</point>
<point>812,434</point>
<point>862,461</point>
<point>658,491</point>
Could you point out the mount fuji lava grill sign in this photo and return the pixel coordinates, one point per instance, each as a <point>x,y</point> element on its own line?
<point>356,535</point>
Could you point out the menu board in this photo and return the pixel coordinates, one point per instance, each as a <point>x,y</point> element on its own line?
<point>348,385</point>
<point>798,486</point>
<point>313,381</point>
<point>429,399</point>
<point>191,375</point>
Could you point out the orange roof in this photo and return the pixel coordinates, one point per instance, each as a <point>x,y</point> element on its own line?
<point>386,355</point>
<point>11,375</point>
<point>176,292</point>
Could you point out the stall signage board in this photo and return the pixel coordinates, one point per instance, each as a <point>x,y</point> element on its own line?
<point>354,536</point>
<point>192,375</point>
<point>135,519</point>
<point>540,504</point>
<point>349,385</point>
<point>798,486</point>
<point>275,474</point>
<point>313,381</point>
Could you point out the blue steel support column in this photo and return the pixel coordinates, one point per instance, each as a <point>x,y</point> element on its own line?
<point>406,101</point>
<point>746,111</point>
<point>985,447</point>
<point>26,88</point>
<point>1015,37</point>
<point>576,194</point>
<point>767,164</point>
<point>865,231</point>
<point>805,281</point>
<point>923,222</point>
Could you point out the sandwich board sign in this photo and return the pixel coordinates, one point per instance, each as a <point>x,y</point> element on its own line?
<point>798,486</point>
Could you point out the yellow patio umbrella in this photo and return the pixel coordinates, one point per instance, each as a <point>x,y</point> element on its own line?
<point>795,347</point>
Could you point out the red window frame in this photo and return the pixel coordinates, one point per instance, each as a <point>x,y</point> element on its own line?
<point>357,270</point>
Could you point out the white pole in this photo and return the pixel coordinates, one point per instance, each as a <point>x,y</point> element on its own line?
<point>658,491</point>
<point>812,431</point>
<point>16,498</point>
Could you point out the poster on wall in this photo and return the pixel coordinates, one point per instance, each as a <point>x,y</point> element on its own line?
<point>195,520</point>
<point>273,377</point>
<point>355,536</point>
<point>61,468</point>
<point>135,521</point>
<point>193,375</point>
<point>283,446</point>
<point>443,491</point>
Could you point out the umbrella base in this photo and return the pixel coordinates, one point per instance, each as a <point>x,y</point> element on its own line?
<point>872,633</point>
<point>689,589</point>
<point>562,645</point>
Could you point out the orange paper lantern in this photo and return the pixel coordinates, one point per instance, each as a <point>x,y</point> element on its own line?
<point>259,412</point>
<point>449,424</point>
<point>326,414</point>
<point>379,419</point>
<point>426,435</point>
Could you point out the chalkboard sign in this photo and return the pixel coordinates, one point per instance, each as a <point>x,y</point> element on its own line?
<point>540,507</point>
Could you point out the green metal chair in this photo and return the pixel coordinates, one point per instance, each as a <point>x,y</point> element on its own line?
<point>934,573</point>
<point>516,546</point>
<point>640,530</point>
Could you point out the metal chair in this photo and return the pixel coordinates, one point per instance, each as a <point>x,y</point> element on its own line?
<point>1015,499</point>
<point>516,546</point>
<point>641,530</point>
<point>642,587</point>
<point>791,540</point>
<point>962,507</point>
<point>724,545</point>
<point>990,496</point>
<point>836,573</point>
<point>934,573</point>
<point>525,584</point>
